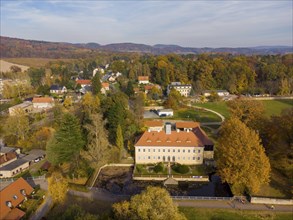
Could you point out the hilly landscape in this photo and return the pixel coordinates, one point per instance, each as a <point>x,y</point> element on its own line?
<point>14,47</point>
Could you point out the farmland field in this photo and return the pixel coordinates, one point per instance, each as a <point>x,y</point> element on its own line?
<point>33,62</point>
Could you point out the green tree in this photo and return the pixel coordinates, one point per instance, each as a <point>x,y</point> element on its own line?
<point>36,76</point>
<point>242,161</point>
<point>173,100</point>
<point>96,84</point>
<point>119,139</point>
<point>57,187</point>
<point>154,203</point>
<point>97,148</point>
<point>67,142</point>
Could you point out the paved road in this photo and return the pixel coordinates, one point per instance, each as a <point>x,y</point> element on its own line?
<point>233,205</point>
<point>43,209</point>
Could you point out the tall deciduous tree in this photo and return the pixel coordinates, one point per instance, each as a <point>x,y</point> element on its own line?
<point>97,149</point>
<point>154,203</point>
<point>67,142</point>
<point>242,161</point>
<point>57,187</point>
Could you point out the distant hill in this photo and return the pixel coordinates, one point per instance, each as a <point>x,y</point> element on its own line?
<point>14,47</point>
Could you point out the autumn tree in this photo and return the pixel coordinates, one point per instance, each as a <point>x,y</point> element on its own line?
<point>154,203</point>
<point>173,100</point>
<point>66,142</point>
<point>17,125</point>
<point>97,148</point>
<point>57,187</point>
<point>41,137</point>
<point>250,112</point>
<point>90,103</point>
<point>242,161</point>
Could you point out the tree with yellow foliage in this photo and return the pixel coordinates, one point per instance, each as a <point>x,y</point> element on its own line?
<point>57,187</point>
<point>154,203</point>
<point>242,161</point>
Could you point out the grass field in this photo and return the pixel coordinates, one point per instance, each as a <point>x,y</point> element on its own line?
<point>33,62</point>
<point>272,107</point>
<point>223,214</point>
<point>196,115</point>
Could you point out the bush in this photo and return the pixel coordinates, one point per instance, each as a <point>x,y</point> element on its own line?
<point>180,168</point>
<point>159,168</point>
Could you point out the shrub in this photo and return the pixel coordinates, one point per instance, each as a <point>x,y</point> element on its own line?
<point>159,168</point>
<point>180,168</point>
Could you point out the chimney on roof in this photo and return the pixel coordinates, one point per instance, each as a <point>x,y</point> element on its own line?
<point>168,128</point>
<point>177,130</point>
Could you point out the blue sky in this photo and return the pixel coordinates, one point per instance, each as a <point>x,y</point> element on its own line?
<point>194,23</point>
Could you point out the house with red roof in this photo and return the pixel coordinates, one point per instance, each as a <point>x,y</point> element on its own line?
<point>185,146</point>
<point>11,198</point>
<point>143,80</point>
<point>43,102</point>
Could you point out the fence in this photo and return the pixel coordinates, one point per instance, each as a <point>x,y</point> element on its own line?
<point>201,198</point>
<point>28,178</point>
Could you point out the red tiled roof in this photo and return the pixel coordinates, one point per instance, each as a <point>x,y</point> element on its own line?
<point>187,124</point>
<point>6,157</point>
<point>202,136</point>
<point>105,85</point>
<point>143,78</point>
<point>156,123</point>
<point>43,100</point>
<point>148,87</point>
<point>12,193</point>
<point>83,82</point>
<point>175,139</point>
<point>15,214</point>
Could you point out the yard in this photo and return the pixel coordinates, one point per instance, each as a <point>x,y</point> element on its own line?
<point>198,115</point>
<point>272,107</point>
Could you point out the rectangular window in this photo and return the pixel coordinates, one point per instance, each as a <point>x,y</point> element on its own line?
<point>193,158</point>
<point>154,150</point>
<point>198,158</point>
<point>198,151</point>
<point>183,151</point>
<point>188,151</point>
<point>143,150</point>
<point>149,150</point>
<point>159,150</point>
<point>173,150</point>
<point>169,150</point>
<point>178,150</point>
<point>193,151</point>
<point>159,157</point>
<point>138,150</point>
<point>163,150</point>
<point>154,157</point>
<point>149,157</point>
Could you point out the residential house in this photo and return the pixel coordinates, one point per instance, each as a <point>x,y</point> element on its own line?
<point>143,80</point>
<point>184,147</point>
<point>11,198</point>
<point>105,88</point>
<point>56,89</point>
<point>5,149</point>
<point>86,85</point>
<point>165,112</point>
<point>22,107</point>
<point>183,89</point>
<point>43,102</point>
<point>7,158</point>
<point>14,168</point>
<point>156,125</point>
<point>220,93</point>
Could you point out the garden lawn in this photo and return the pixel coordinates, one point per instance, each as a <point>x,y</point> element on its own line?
<point>272,107</point>
<point>223,214</point>
<point>196,115</point>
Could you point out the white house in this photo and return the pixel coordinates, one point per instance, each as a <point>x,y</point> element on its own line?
<point>55,89</point>
<point>221,93</point>
<point>185,147</point>
<point>105,87</point>
<point>165,112</point>
<point>143,80</point>
<point>183,89</point>
<point>43,102</point>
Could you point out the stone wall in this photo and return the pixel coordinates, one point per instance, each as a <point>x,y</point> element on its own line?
<point>271,201</point>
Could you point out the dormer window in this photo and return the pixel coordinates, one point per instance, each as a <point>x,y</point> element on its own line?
<point>9,204</point>
<point>22,191</point>
<point>148,140</point>
<point>15,197</point>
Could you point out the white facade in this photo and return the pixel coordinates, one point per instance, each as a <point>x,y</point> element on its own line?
<point>165,112</point>
<point>184,90</point>
<point>155,154</point>
<point>43,105</point>
<point>219,92</point>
